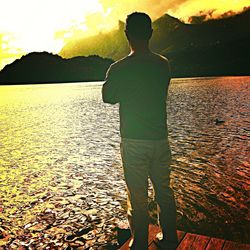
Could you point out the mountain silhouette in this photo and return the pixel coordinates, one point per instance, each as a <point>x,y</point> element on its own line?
<point>112,44</point>
<point>210,48</point>
<point>43,67</point>
<point>213,47</point>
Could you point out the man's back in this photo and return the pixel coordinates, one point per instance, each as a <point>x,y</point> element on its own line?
<point>139,82</point>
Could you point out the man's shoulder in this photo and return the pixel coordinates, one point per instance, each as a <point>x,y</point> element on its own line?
<point>160,58</point>
<point>129,60</point>
<point>116,68</point>
<point>120,63</point>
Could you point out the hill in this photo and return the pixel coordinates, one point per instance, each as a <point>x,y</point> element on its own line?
<point>213,47</point>
<point>108,45</point>
<point>43,67</point>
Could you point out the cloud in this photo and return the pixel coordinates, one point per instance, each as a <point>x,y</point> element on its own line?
<point>211,14</point>
<point>201,16</point>
<point>155,8</point>
<point>47,25</point>
<point>183,9</point>
<point>199,8</point>
<point>8,52</point>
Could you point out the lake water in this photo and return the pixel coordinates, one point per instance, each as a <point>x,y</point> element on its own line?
<point>59,156</point>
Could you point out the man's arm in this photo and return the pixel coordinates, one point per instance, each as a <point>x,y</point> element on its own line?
<point>110,87</point>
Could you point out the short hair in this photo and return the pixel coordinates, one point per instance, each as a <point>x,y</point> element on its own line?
<point>139,26</point>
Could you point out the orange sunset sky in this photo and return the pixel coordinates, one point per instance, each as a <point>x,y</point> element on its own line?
<point>46,25</point>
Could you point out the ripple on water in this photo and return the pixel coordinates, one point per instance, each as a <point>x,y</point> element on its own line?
<point>60,149</point>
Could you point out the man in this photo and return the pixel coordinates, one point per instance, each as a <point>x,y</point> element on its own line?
<point>139,83</point>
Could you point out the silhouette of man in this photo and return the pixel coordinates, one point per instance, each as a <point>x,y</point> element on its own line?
<point>139,83</point>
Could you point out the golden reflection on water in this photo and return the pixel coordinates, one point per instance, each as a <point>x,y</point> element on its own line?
<point>60,143</point>
<point>35,124</point>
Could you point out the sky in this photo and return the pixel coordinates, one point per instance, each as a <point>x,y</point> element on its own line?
<point>46,25</point>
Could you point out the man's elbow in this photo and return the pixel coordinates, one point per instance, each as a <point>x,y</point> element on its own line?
<point>110,102</point>
<point>108,99</point>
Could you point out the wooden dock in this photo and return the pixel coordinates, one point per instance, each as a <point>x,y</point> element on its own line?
<point>190,241</point>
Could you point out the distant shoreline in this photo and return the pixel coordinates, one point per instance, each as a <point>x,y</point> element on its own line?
<point>47,83</point>
<point>101,81</point>
<point>44,68</point>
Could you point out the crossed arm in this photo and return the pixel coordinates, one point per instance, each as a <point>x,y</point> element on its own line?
<point>110,89</point>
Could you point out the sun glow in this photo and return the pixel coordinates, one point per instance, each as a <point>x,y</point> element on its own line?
<point>35,22</point>
<point>46,25</point>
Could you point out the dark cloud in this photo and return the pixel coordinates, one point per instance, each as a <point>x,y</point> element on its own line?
<point>210,14</point>
<point>232,13</point>
<point>201,17</point>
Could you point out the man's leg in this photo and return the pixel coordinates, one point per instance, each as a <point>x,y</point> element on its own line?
<point>160,176</point>
<point>136,177</point>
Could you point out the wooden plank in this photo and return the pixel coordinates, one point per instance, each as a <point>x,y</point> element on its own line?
<point>125,246</point>
<point>153,231</point>
<point>230,245</point>
<point>200,242</point>
<point>194,241</point>
<point>181,235</point>
<point>152,246</point>
<point>187,242</point>
<point>190,241</point>
<point>215,244</point>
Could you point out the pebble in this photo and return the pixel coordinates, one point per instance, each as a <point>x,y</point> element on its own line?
<point>70,217</point>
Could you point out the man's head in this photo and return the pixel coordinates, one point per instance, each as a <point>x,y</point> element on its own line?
<point>138,27</point>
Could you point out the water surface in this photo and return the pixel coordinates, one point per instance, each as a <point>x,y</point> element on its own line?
<point>59,144</point>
